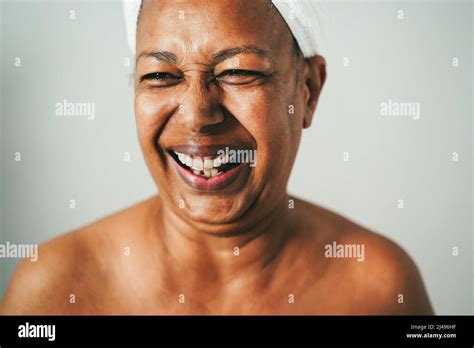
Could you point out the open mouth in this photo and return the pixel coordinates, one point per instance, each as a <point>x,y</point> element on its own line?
<point>206,167</point>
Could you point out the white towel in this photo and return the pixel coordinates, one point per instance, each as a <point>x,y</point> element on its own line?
<point>305,18</point>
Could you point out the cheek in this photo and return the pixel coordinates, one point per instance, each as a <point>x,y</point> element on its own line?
<point>264,114</point>
<point>150,117</point>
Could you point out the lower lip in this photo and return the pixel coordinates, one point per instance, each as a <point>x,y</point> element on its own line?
<point>209,184</point>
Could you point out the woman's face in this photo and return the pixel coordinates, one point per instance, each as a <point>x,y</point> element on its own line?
<point>211,75</point>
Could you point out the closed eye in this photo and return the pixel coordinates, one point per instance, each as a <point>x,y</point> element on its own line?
<point>160,79</point>
<point>239,77</point>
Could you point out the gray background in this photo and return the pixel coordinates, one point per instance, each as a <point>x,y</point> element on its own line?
<point>391,158</point>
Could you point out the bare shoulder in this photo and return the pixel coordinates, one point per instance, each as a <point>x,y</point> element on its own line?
<point>380,276</point>
<point>67,264</point>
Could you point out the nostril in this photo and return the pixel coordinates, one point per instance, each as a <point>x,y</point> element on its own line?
<point>200,119</point>
<point>211,127</point>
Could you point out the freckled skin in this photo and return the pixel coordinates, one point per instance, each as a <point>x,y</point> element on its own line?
<point>241,250</point>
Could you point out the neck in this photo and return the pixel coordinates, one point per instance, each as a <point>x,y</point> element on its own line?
<point>244,254</point>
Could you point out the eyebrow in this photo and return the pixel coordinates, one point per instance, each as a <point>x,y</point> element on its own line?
<point>163,56</point>
<point>216,58</point>
<point>233,51</point>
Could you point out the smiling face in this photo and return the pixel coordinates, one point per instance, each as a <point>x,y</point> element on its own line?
<point>211,76</point>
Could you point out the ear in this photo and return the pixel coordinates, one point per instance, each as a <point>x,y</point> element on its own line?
<point>314,77</point>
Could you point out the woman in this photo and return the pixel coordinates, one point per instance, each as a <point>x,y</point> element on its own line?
<point>223,236</point>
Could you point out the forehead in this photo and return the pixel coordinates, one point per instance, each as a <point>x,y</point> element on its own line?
<point>204,27</point>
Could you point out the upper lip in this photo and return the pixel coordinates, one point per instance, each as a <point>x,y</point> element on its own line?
<point>204,150</point>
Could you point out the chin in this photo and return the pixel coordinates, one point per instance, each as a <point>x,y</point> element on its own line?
<point>215,210</point>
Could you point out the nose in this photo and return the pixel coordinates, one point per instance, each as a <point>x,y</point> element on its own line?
<point>199,106</point>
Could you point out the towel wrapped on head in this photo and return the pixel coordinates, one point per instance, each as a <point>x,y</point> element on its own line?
<point>306,20</point>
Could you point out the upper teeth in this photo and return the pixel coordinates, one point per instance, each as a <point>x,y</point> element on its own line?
<point>205,166</point>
